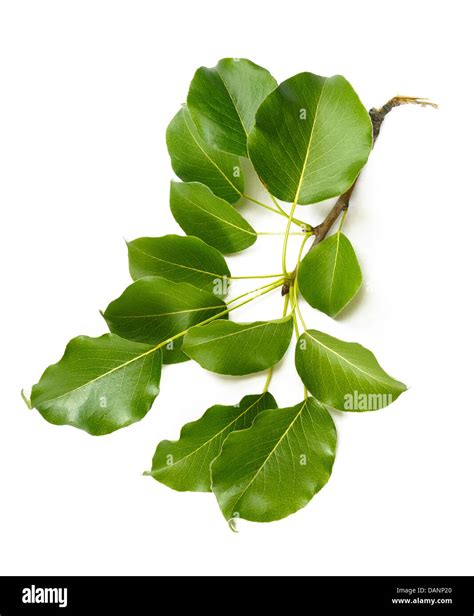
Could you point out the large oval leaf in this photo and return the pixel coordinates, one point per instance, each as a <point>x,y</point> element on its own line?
<point>179,259</point>
<point>193,160</point>
<point>199,212</point>
<point>329,276</point>
<point>233,348</point>
<point>344,375</point>
<point>223,101</point>
<point>275,467</point>
<point>100,384</point>
<point>311,138</point>
<point>185,464</point>
<point>154,309</point>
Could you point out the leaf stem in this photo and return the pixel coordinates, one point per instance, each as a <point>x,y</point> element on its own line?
<point>280,211</point>
<point>270,372</point>
<point>267,382</point>
<point>297,306</point>
<point>293,292</point>
<point>285,239</point>
<point>261,204</point>
<point>282,233</point>
<point>300,253</point>
<point>293,306</point>
<point>263,291</point>
<point>275,283</point>
<point>343,218</point>
<point>277,205</point>
<point>251,277</point>
<point>275,202</point>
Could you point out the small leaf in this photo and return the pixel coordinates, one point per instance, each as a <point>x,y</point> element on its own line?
<point>185,464</point>
<point>344,375</point>
<point>179,259</point>
<point>311,138</point>
<point>275,467</point>
<point>329,276</point>
<point>193,160</point>
<point>100,384</point>
<point>233,348</point>
<point>199,212</point>
<point>154,309</point>
<point>223,101</point>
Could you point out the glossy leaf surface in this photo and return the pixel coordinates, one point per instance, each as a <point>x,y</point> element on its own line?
<point>234,348</point>
<point>200,213</point>
<point>329,276</point>
<point>344,375</point>
<point>154,309</point>
<point>276,466</point>
<point>311,138</point>
<point>185,464</point>
<point>223,101</point>
<point>100,384</point>
<point>193,160</point>
<point>179,259</point>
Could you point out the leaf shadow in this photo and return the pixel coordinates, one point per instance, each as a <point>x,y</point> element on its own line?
<point>338,415</point>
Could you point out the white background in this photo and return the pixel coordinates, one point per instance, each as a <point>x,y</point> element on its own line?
<point>87,90</point>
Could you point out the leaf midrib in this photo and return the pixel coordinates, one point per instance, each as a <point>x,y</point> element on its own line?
<point>102,376</point>
<point>305,162</point>
<point>241,331</point>
<point>226,222</point>
<point>233,102</point>
<point>210,159</point>
<point>331,286</point>
<point>285,433</point>
<point>194,269</point>
<point>162,314</point>
<point>192,453</point>
<point>357,368</point>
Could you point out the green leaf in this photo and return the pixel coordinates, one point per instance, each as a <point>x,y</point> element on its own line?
<point>233,348</point>
<point>100,384</point>
<point>185,464</point>
<point>179,259</point>
<point>311,138</point>
<point>223,101</point>
<point>199,212</point>
<point>193,160</point>
<point>329,276</point>
<point>344,375</point>
<point>275,467</point>
<point>154,309</point>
